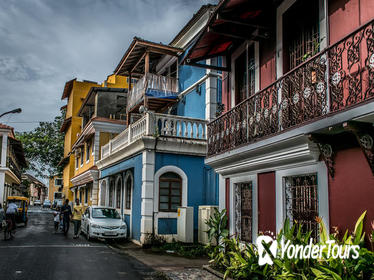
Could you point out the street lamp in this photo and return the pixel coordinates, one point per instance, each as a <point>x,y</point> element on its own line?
<point>15,111</point>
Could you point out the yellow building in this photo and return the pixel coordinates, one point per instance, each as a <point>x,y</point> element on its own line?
<point>12,160</point>
<point>75,92</point>
<point>84,133</point>
<point>55,188</point>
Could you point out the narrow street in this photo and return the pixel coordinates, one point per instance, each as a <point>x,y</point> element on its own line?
<point>37,253</point>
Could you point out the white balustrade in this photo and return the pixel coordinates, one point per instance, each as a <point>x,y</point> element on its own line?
<point>154,124</point>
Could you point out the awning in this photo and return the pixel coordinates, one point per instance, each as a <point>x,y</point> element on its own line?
<point>133,62</point>
<point>232,23</point>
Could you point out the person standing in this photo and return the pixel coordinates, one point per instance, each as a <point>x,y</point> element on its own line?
<point>11,212</point>
<point>77,218</point>
<point>2,216</point>
<point>56,219</point>
<point>66,214</point>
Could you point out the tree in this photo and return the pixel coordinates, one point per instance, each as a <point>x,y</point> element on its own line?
<point>44,147</point>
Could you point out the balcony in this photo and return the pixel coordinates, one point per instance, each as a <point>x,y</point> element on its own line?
<point>157,90</point>
<point>157,125</point>
<point>336,79</point>
<point>13,167</point>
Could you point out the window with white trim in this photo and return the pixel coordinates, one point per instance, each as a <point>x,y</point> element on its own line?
<point>118,193</point>
<point>111,194</point>
<point>170,192</point>
<point>301,201</point>
<point>88,147</point>
<point>128,193</point>
<point>243,210</point>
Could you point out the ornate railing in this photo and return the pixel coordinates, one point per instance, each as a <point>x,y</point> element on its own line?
<point>339,77</point>
<point>14,168</point>
<point>165,86</point>
<point>157,125</point>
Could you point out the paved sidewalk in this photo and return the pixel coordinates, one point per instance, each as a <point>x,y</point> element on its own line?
<point>172,266</point>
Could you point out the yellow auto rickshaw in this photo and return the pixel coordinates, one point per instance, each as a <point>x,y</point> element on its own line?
<point>22,203</point>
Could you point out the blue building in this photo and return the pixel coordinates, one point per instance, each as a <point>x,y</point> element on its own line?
<point>156,165</point>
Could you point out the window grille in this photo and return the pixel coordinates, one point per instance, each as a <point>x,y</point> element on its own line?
<point>243,209</point>
<point>301,199</point>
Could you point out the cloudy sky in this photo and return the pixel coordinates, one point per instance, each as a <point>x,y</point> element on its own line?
<point>44,43</point>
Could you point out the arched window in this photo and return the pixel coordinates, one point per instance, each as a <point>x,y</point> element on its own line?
<point>118,193</point>
<point>128,193</point>
<point>170,193</point>
<point>111,194</point>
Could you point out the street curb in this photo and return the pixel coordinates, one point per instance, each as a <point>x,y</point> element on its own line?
<point>157,273</point>
<point>215,272</point>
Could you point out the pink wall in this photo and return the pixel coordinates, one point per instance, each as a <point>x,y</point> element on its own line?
<point>351,191</point>
<point>347,15</point>
<point>266,202</point>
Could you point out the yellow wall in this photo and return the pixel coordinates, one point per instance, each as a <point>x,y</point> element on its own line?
<point>75,100</point>
<point>52,188</point>
<point>116,82</point>
<point>86,165</point>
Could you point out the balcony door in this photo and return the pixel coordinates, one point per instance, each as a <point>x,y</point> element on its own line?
<point>244,73</point>
<point>301,35</point>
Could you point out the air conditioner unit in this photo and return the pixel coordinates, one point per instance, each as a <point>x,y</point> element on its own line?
<point>205,212</point>
<point>185,224</point>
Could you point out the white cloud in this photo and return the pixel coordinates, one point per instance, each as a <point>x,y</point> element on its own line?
<point>44,43</point>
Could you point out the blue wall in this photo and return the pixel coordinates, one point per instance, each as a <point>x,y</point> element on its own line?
<point>193,104</point>
<point>167,226</point>
<point>135,163</point>
<point>202,181</point>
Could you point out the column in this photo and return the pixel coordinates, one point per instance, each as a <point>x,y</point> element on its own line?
<point>95,193</point>
<point>148,170</point>
<point>211,92</point>
<point>4,148</point>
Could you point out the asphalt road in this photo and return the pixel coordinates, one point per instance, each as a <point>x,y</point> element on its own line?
<point>36,253</point>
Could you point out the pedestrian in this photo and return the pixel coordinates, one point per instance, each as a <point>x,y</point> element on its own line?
<point>11,212</point>
<point>56,219</point>
<point>66,214</point>
<point>2,216</point>
<point>77,218</point>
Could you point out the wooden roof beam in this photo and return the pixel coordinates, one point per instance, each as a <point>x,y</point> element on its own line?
<point>137,63</point>
<point>227,20</point>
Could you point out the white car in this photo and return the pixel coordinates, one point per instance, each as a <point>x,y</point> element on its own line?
<point>37,203</point>
<point>103,222</point>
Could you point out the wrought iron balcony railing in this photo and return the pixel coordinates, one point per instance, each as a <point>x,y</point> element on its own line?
<point>153,85</point>
<point>153,124</point>
<point>336,79</point>
<point>13,167</point>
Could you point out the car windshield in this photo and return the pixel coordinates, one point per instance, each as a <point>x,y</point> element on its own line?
<point>102,213</point>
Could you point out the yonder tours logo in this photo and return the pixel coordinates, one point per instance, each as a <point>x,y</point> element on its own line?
<point>310,251</point>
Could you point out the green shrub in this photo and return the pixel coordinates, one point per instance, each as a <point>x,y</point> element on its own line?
<point>240,261</point>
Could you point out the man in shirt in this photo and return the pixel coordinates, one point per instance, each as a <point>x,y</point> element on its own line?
<point>11,212</point>
<point>77,218</point>
<point>66,214</point>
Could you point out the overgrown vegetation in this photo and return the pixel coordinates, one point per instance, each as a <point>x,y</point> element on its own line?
<point>158,244</point>
<point>240,261</point>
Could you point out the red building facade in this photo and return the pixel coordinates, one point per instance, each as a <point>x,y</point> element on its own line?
<point>296,135</point>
